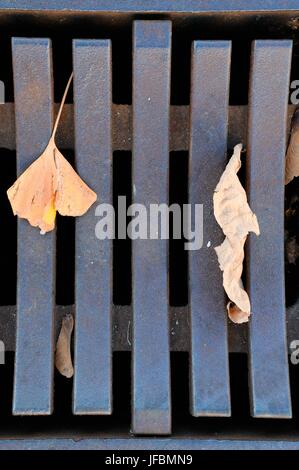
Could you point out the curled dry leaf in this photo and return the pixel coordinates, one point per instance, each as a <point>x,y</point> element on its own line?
<point>50,184</point>
<point>236,219</point>
<point>292,157</point>
<point>63,358</point>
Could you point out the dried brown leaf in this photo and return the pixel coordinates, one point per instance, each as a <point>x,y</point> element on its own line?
<point>292,157</point>
<point>48,185</point>
<point>236,219</point>
<point>63,358</point>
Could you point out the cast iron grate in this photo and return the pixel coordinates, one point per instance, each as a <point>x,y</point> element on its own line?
<point>170,144</point>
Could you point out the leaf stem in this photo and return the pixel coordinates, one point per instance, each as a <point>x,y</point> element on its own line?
<point>61,106</point>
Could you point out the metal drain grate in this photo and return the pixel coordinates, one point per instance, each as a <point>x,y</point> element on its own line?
<point>152,128</point>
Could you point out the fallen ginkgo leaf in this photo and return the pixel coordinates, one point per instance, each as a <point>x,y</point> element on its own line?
<point>292,157</point>
<point>236,219</point>
<point>50,184</point>
<point>63,358</point>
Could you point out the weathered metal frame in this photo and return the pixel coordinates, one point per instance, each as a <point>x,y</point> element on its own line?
<point>121,116</point>
<point>122,328</point>
<point>179,140</point>
<point>150,6</point>
<point>179,444</point>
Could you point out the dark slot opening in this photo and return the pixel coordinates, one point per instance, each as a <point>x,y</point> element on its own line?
<point>178,256</point>
<point>65,253</point>
<point>181,61</point>
<point>63,422</point>
<point>120,419</point>
<point>180,68</point>
<point>122,66</point>
<point>122,248</point>
<point>122,381</point>
<point>179,362</point>
<point>239,387</point>
<point>182,418</point>
<point>242,175</point>
<point>6,391</point>
<point>222,427</point>
<point>62,67</point>
<point>9,230</point>
<point>6,75</point>
<point>62,35</point>
<point>240,67</point>
<point>294,382</point>
<point>203,426</point>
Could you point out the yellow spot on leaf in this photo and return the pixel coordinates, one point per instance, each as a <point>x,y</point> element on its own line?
<point>50,184</point>
<point>49,213</point>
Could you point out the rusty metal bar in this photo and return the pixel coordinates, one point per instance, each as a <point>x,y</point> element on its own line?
<point>180,443</point>
<point>150,6</point>
<point>269,86</point>
<point>122,328</point>
<point>151,93</point>
<point>33,383</point>
<point>93,291</point>
<point>209,385</point>
<point>122,126</point>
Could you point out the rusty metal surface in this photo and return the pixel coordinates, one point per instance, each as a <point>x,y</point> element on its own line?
<point>180,443</point>
<point>93,270</point>
<point>179,337</point>
<point>150,328</point>
<point>210,76</point>
<point>151,6</point>
<point>269,86</point>
<point>33,384</point>
<point>122,126</point>
<point>151,96</point>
